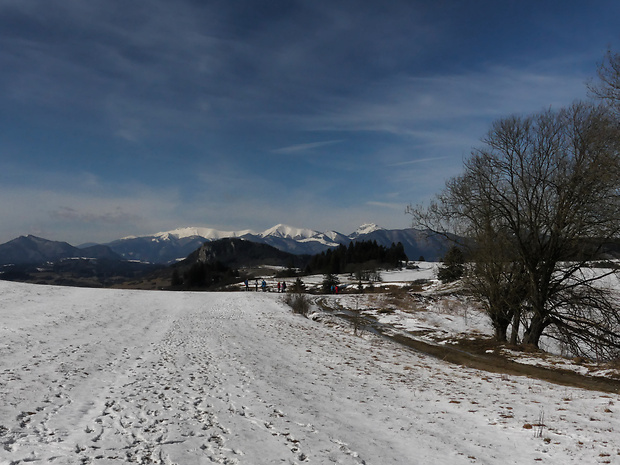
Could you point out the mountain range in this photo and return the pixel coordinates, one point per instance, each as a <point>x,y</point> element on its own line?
<point>175,245</point>
<point>33,259</point>
<point>32,249</point>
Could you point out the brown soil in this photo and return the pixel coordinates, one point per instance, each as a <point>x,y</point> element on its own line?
<point>482,354</point>
<point>473,354</point>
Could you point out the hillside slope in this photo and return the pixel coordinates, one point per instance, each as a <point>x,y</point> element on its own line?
<point>107,376</point>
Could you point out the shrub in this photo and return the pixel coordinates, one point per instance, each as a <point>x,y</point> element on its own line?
<point>300,303</point>
<point>298,286</point>
<point>453,266</point>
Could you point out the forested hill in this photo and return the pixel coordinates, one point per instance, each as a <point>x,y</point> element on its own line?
<point>358,255</point>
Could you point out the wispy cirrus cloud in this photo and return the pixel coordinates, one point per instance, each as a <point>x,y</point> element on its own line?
<point>390,205</point>
<point>445,103</point>
<point>293,149</point>
<point>418,160</point>
<point>117,216</point>
<point>85,212</point>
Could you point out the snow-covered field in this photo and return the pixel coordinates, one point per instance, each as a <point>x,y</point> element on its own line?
<point>109,376</point>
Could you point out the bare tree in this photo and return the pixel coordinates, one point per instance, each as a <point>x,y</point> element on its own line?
<point>498,279</point>
<point>608,87</point>
<point>537,202</point>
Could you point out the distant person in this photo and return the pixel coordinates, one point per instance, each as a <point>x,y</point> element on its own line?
<point>264,286</point>
<point>257,285</point>
<point>279,287</point>
<point>247,285</point>
<point>283,286</point>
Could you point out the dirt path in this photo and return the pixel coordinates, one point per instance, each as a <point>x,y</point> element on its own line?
<point>478,354</point>
<point>473,355</point>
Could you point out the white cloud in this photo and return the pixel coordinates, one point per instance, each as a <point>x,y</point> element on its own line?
<point>418,160</point>
<point>78,215</point>
<point>117,216</point>
<point>419,106</point>
<point>292,149</point>
<point>390,205</point>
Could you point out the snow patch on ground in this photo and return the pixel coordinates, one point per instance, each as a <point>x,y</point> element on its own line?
<point>110,376</point>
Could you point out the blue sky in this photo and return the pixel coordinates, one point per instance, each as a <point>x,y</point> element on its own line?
<point>125,118</point>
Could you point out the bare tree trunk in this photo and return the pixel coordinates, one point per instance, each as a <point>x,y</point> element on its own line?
<point>500,332</point>
<point>516,321</point>
<point>534,331</point>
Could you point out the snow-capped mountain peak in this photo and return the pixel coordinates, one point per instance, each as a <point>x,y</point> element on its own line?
<point>207,233</point>
<point>365,229</point>
<point>335,236</point>
<point>288,232</point>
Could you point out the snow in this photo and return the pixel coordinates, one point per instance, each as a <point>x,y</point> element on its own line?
<point>397,278</point>
<point>289,232</point>
<point>107,376</point>
<point>320,238</point>
<point>207,233</point>
<point>330,238</point>
<point>334,236</point>
<point>365,229</point>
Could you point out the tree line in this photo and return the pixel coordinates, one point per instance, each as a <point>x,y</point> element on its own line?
<point>356,256</point>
